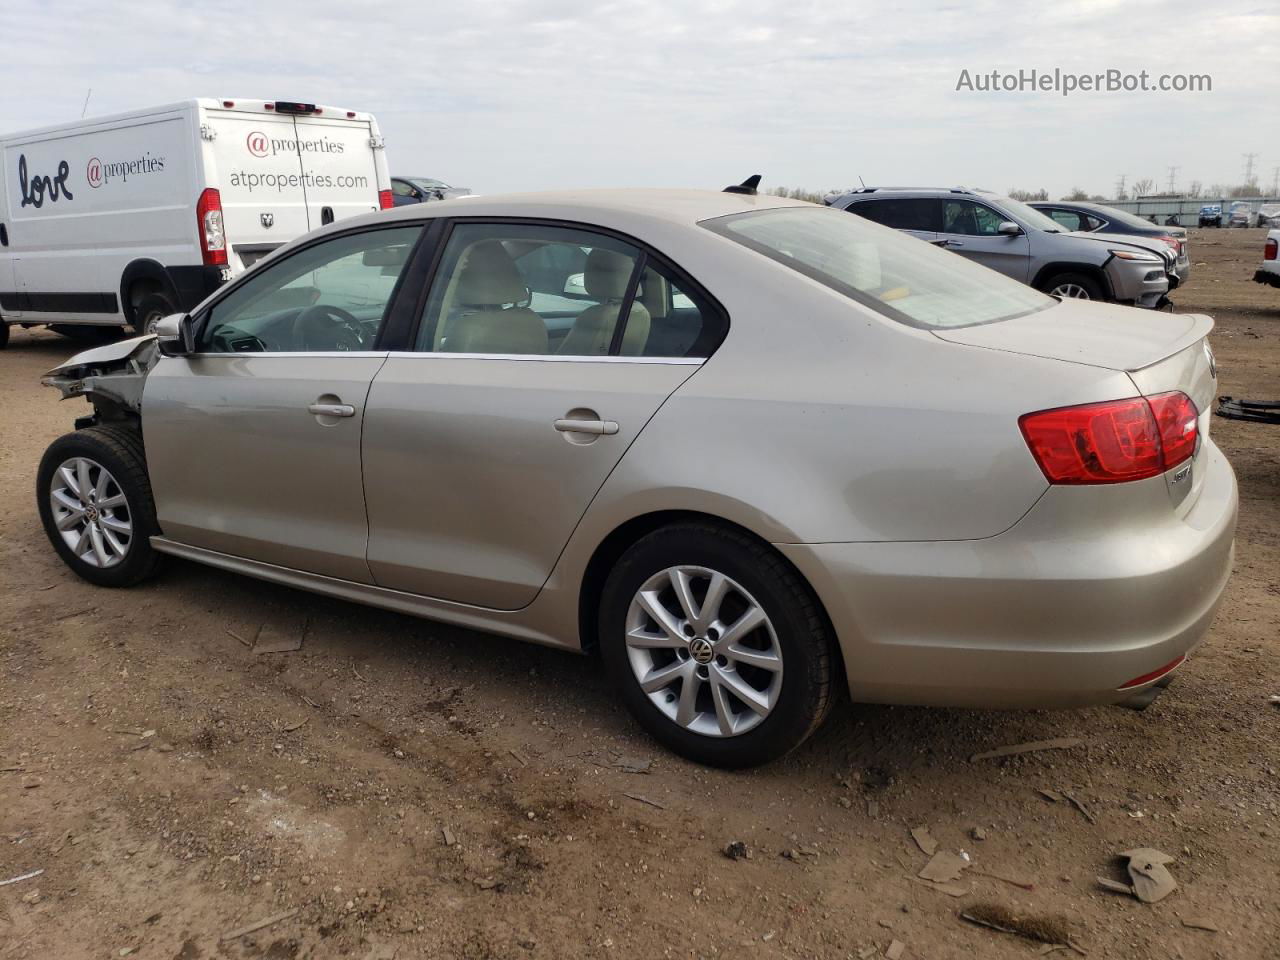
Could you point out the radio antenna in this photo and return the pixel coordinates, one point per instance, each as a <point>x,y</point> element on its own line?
<point>85,108</point>
<point>861,181</point>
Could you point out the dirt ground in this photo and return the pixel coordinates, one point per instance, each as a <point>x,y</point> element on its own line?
<point>402,789</point>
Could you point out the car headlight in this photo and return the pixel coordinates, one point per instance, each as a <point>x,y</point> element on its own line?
<point>1135,255</point>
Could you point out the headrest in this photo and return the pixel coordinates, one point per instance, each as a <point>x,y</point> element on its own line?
<point>489,278</point>
<point>606,274</point>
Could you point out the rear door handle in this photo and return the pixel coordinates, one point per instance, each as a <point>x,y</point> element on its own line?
<point>332,409</point>
<point>598,428</point>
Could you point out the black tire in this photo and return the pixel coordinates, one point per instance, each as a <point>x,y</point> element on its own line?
<point>119,450</point>
<point>150,309</point>
<point>1086,283</point>
<point>804,638</point>
<point>86,333</point>
<point>4,334</point>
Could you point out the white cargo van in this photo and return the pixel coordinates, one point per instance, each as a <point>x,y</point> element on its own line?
<point>121,220</point>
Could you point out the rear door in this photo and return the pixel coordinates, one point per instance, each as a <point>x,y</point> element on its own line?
<point>260,179</point>
<point>486,442</point>
<point>339,171</point>
<point>972,230</point>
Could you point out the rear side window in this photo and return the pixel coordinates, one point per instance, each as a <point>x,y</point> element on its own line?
<point>901,213</point>
<point>1069,219</point>
<point>532,289</point>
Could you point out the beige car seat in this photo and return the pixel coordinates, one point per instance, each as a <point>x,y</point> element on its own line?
<point>606,277</point>
<point>487,282</point>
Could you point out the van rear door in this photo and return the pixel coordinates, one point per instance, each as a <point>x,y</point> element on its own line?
<point>339,164</point>
<point>260,181</point>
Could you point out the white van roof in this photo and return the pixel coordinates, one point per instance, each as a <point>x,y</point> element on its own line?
<point>239,104</point>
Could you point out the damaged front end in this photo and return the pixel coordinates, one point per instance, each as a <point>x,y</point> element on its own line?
<point>110,377</point>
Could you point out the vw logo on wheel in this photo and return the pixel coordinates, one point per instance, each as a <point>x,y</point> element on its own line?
<point>701,650</point>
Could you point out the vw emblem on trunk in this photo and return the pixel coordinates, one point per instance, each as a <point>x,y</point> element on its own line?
<point>268,219</point>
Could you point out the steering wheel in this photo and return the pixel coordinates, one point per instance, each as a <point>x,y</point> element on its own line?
<point>324,327</point>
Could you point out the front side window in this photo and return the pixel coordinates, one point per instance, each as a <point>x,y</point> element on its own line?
<point>970,219</point>
<point>332,296</point>
<point>541,290</point>
<point>890,272</point>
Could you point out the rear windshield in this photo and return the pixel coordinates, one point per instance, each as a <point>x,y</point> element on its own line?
<point>895,274</point>
<point>1124,217</point>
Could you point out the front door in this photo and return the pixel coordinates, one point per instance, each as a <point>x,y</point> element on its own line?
<point>253,442</point>
<point>542,353</point>
<point>972,230</point>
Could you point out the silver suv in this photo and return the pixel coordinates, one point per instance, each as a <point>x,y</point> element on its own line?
<point>1022,243</point>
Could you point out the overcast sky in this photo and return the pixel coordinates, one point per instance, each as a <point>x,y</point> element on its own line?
<point>527,94</point>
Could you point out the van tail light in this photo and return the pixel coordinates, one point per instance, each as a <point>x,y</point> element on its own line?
<point>209,226</point>
<point>1269,251</point>
<point>384,200</point>
<point>1113,442</point>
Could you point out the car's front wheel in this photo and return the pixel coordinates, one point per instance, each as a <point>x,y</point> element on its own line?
<point>95,502</point>
<point>719,649</point>
<point>1073,286</point>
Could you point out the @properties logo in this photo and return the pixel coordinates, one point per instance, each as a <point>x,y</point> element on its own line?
<point>93,173</point>
<point>257,143</point>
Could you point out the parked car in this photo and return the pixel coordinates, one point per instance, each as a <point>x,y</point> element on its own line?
<point>121,220</point>
<point>1022,243</point>
<point>1241,214</point>
<point>931,483</point>
<point>423,190</point>
<point>1100,218</point>
<point>1269,271</point>
<point>1269,215</point>
<point>1210,215</point>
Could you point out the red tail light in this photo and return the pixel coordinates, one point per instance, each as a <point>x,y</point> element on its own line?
<point>384,200</point>
<point>1269,251</point>
<point>1112,442</point>
<point>210,228</point>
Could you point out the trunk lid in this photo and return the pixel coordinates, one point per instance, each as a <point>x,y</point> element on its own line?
<point>1160,352</point>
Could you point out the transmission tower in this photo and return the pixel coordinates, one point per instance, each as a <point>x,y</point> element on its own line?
<point>1248,167</point>
<point>1120,186</point>
<point>1173,175</point>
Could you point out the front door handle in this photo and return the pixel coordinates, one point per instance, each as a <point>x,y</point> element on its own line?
<point>944,242</point>
<point>597,428</point>
<point>332,409</point>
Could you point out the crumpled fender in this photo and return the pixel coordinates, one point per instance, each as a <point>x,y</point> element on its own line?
<point>110,376</point>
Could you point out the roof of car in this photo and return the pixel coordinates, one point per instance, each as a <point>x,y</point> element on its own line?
<point>678,206</point>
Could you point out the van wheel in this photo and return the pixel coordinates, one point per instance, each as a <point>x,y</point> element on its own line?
<point>716,645</point>
<point>150,310</point>
<point>4,334</point>
<point>1072,286</point>
<point>95,503</point>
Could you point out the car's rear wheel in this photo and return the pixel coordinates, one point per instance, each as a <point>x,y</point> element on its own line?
<point>719,649</point>
<point>95,502</point>
<point>4,334</point>
<point>149,311</point>
<point>1072,286</point>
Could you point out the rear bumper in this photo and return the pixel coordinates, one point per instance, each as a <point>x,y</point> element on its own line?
<point>1064,609</point>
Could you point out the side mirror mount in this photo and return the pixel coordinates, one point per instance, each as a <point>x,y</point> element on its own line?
<point>176,335</point>
<point>1009,228</point>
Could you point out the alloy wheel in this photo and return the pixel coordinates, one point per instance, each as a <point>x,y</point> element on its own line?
<point>704,651</point>
<point>91,512</point>
<point>1070,291</point>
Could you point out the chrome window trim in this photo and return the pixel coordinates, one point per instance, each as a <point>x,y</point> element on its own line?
<point>545,357</point>
<point>403,354</point>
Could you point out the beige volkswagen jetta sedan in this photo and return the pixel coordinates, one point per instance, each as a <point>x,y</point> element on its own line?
<point>746,449</point>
